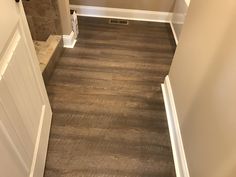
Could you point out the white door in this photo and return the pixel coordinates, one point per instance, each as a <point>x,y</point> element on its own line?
<point>25,113</point>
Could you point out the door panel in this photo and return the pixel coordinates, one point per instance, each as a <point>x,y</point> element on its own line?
<point>11,120</point>
<point>22,89</point>
<point>25,113</point>
<point>10,163</point>
<point>8,19</point>
<point>14,143</point>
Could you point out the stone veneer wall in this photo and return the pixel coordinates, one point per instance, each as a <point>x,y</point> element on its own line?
<point>43,18</point>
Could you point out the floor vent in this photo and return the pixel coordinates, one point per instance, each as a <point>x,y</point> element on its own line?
<point>118,22</point>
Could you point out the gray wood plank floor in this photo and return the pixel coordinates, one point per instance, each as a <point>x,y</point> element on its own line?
<point>109,117</point>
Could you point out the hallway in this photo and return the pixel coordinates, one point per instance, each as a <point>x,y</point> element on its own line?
<point>108,112</point>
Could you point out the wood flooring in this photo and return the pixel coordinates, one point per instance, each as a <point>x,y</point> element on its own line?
<point>108,113</point>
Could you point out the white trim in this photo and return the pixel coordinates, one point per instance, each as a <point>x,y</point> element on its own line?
<point>181,166</point>
<point>174,33</point>
<point>129,14</point>
<point>69,40</point>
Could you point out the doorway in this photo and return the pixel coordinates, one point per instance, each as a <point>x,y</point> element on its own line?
<point>45,26</point>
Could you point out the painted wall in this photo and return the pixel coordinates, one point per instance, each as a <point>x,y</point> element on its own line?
<point>203,79</point>
<point>179,14</point>
<point>64,11</point>
<point>152,5</point>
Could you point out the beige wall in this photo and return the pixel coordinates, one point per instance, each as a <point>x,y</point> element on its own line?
<point>179,14</point>
<point>203,79</point>
<point>152,5</point>
<point>64,11</point>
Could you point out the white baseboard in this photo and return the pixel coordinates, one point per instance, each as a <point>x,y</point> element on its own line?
<point>174,33</point>
<point>40,151</point>
<point>129,14</point>
<point>69,40</point>
<point>181,166</point>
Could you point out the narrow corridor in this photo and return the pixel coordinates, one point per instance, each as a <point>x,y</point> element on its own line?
<point>108,112</point>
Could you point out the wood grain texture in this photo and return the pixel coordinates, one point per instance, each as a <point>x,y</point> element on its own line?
<point>109,117</point>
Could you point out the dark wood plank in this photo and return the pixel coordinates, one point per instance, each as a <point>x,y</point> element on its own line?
<point>109,117</point>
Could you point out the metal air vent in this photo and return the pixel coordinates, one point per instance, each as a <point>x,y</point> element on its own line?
<point>118,22</point>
